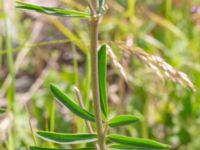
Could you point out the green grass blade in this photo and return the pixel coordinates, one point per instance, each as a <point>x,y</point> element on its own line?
<point>62,138</point>
<point>52,10</point>
<point>102,79</point>
<point>40,148</point>
<point>123,120</point>
<point>137,142</point>
<point>70,104</point>
<point>2,111</point>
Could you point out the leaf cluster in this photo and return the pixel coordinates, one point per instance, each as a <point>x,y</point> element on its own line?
<point>117,141</point>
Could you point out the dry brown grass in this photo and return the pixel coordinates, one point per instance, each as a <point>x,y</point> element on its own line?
<point>159,66</point>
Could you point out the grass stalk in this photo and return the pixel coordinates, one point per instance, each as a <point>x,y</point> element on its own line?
<point>30,125</point>
<point>10,143</point>
<point>131,8</point>
<point>87,81</point>
<point>75,66</point>
<point>1,50</point>
<point>10,65</point>
<point>11,90</point>
<point>52,116</point>
<point>168,6</point>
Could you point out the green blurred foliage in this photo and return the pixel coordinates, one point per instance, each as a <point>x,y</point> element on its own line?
<point>170,113</point>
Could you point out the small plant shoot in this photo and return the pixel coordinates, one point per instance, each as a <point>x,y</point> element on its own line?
<point>103,127</point>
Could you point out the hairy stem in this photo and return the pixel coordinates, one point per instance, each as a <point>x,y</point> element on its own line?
<point>94,24</point>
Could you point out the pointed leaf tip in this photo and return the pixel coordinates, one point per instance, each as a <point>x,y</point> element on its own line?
<point>62,138</point>
<point>123,120</point>
<point>52,10</point>
<point>70,104</point>
<point>137,142</point>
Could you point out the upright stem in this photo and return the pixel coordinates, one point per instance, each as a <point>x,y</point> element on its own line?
<point>11,99</point>
<point>11,90</point>
<point>95,81</point>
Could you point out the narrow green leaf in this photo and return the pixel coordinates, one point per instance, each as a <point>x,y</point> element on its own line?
<point>2,111</point>
<point>123,120</point>
<point>40,148</point>
<point>62,138</point>
<point>128,147</point>
<point>70,104</point>
<point>52,10</point>
<point>137,142</point>
<point>122,147</point>
<point>102,78</point>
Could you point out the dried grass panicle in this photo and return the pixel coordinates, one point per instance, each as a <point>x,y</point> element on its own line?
<point>160,67</point>
<point>116,62</point>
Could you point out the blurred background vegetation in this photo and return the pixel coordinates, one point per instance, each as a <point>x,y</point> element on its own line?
<point>55,50</point>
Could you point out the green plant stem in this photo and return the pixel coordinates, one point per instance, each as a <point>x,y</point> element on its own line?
<point>87,81</point>
<point>11,100</point>
<point>1,40</point>
<point>168,5</point>
<point>30,125</point>
<point>131,8</point>
<point>52,116</point>
<point>94,24</point>
<point>1,47</point>
<point>145,122</point>
<point>11,90</point>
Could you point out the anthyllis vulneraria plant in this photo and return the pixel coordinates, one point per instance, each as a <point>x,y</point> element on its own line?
<point>99,135</point>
